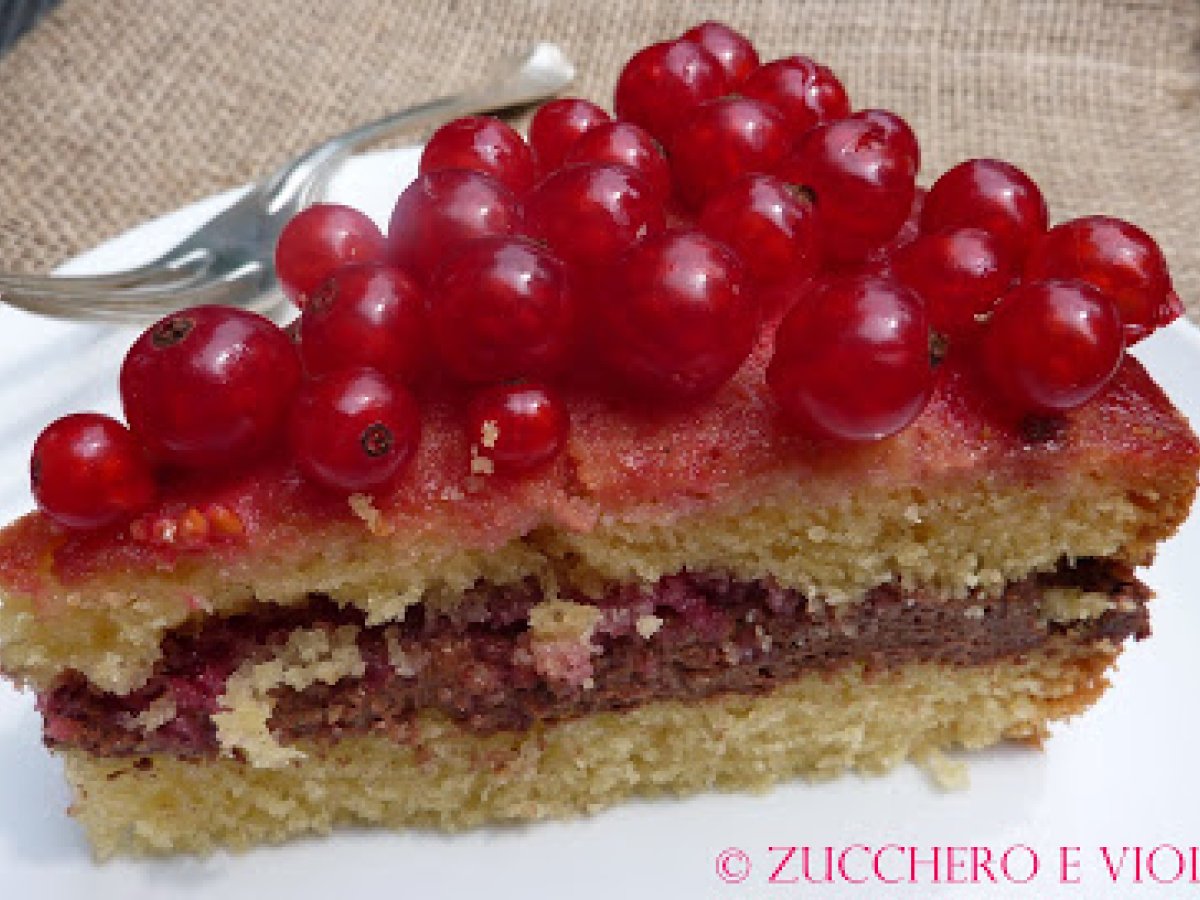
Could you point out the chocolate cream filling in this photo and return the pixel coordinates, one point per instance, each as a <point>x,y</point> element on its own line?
<point>689,636</point>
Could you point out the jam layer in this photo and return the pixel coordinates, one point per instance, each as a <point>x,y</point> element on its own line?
<point>689,636</point>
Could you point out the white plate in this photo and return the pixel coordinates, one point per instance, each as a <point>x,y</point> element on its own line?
<point>1122,776</point>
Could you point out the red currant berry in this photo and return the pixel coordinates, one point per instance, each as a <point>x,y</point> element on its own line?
<point>1050,346</point>
<point>365,316</point>
<point>722,140</point>
<point>863,189</point>
<point>353,430</point>
<point>319,240</point>
<point>988,194</point>
<point>88,471</point>
<point>660,83</point>
<point>897,131</point>
<point>517,427</point>
<point>209,386</point>
<point>482,144</point>
<point>1118,259</point>
<point>879,261</point>
<point>731,49</point>
<point>589,214</point>
<point>806,92</point>
<point>960,274</point>
<point>623,143</point>
<point>679,317</point>
<point>557,125</point>
<point>851,360</point>
<point>770,226</point>
<point>502,308</point>
<point>442,210</point>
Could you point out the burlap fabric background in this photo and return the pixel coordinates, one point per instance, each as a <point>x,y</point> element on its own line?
<point>117,110</point>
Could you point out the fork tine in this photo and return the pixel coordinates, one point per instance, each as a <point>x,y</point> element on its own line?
<point>213,263</point>
<point>142,303</point>
<point>177,274</point>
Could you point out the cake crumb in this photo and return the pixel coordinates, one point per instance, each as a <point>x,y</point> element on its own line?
<point>489,433</point>
<point>764,640</point>
<point>405,664</point>
<point>561,641</point>
<point>563,620</point>
<point>480,464</point>
<point>1074,605</point>
<point>648,625</point>
<point>364,507</point>
<point>310,655</point>
<point>153,717</point>
<point>198,603</point>
<point>947,773</point>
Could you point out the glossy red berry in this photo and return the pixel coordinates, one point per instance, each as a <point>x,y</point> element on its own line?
<point>770,226</point>
<point>557,125</point>
<point>730,48</point>
<point>880,260</point>
<point>678,318</point>
<point>1118,259</point>
<point>862,188</point>
<point>623,143</point>
<point>806,92</point>
<point>660,83</point>
<point>897,131</point>
<point>365,316</point>
<point>442,210</point>
<point>502,308</point>
<point>318,241</point>
<point>353,430</point>
<point>851,360</point>
<point>88,470</point>
<point>989,194</point>
<point>589,214</point>
<point>719,141</point>
<point>482,144</point>
<point>960,274</point>
<point>517,427</point>
<point>209,386</point>
<point>1050,346</point>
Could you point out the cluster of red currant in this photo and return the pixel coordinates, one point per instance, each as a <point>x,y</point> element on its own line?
<point>650,248</point>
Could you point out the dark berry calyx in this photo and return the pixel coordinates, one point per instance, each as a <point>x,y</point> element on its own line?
<point>377,439</point>
<point>171,331</point>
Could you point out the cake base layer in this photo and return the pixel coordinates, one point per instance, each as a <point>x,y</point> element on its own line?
<point>446,777</point>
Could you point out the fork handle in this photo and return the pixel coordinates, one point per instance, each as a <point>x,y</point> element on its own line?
<point>541,72</point>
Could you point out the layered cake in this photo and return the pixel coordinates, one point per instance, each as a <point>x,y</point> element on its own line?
<point>563,500</point>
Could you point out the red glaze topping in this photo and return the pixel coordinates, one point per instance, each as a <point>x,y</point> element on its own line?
<point>620,349</point>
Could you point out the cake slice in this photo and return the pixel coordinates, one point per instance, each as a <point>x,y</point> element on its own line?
<point>682,601</point>
<point>545,504</point>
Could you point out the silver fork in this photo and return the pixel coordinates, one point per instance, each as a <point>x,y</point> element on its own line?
<point>230,259</point>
